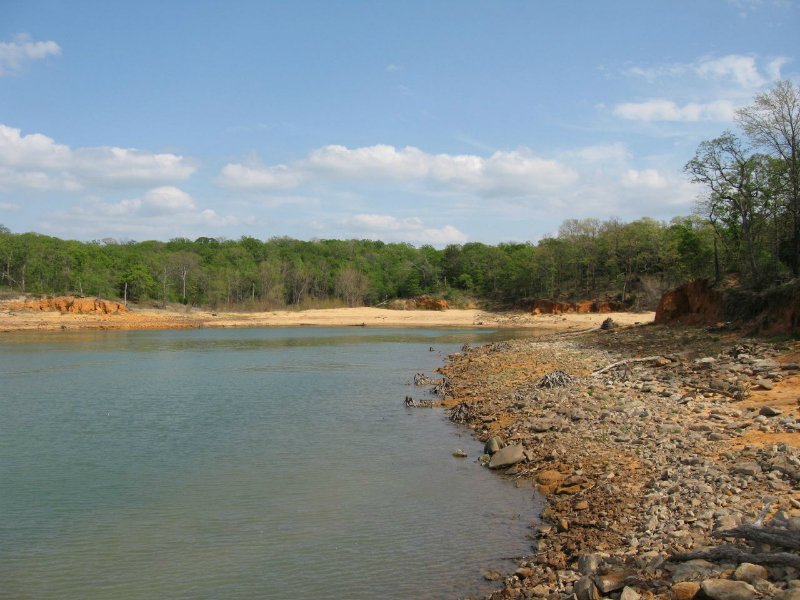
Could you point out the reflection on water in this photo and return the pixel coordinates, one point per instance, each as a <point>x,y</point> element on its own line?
<point>246,463</point>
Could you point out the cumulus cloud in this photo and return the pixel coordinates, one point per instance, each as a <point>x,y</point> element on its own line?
<point>408,229</point>
<point>160,211</point>
<point>35,161</point>
<point>666,110</point>
<point>514,173</point>
<point>647,178</point>
<point>16,54</point>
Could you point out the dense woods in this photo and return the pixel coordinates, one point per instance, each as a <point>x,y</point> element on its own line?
<point>747,223</point>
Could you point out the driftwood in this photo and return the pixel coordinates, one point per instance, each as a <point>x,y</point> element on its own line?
<point>785,559</point>
<point>774,536</point>
<point>739,394</point>
<point>579,331</point>
<point>555,379</point>
<point>627,361</point>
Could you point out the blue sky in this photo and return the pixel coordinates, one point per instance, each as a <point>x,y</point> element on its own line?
<point>426,122</point>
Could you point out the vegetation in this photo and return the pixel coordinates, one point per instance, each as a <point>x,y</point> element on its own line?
<point>747,222</point>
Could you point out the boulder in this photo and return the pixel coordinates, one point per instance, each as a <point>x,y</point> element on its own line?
<point>510,455</point>
<point>493,444</point>
<point>725,589</point>
<point>749,572</point>
<point>585,589</point>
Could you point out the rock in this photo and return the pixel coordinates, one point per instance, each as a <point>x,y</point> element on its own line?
<point>748,468</point>
<point>582,505</point>
<point>543,424</point>
<point>790,594</point>
<point>523,572</point>
<point>765,365</point>
<point>510,455</point>
<point>540,591</point>
<point>588,564</point>
<point>749,572</point>
<point>493,444</point>
<point>492,576</point>
<point>612,581</point>
<point>685,590</point>
<point>791,367</point>
<point>585,589</point>
<point>562,525</point>
<point>628,593</point>
<point>460,454</point>
<point>765,383</point>
<point>693,570</point>
<point>550,477</point>
<point>768,411</point>
<point>724,589</point>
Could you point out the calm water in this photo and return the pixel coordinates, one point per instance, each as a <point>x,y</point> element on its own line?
<point>248,463</point>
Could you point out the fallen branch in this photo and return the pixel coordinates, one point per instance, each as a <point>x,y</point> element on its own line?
<point>774,536</point>
<point>626,362</point>
<point>579,331</point>
<point>784,559</point>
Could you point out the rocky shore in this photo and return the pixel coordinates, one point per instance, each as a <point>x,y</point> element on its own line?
<point>670,459</point>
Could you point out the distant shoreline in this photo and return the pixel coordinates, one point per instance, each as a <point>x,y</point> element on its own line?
<point>151,319</point>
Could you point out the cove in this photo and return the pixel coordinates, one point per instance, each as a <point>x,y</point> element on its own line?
<point>247,463</point>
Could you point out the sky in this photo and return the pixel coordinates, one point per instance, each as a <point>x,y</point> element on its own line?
<point>438,123</point>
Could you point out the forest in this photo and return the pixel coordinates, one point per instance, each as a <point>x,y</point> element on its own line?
<point>745,228</point>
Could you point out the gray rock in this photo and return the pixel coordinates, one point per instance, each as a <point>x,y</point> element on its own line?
<point>765,383</point>
<point>493,444</point>
<point>589,563</point>
<point>791,367</point>
<point>724,589</point>
<point>510,455</point>
<point>543,424</point>
<point>748,468</point>
<point>765,365</point>
<point>768,411</point>
<point>693,570</point>
<point>460,454</point>
<point>585,589</point>
<point>629,593</point>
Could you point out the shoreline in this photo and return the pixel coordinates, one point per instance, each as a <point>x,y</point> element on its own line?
<point>154,319</point>
<point>638,465</point>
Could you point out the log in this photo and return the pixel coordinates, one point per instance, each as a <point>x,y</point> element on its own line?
<point>774,536</point>
<point>784,559</point>
<point>626,362</point>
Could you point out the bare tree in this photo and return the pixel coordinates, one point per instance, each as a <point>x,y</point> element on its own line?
<point>351,286</point>
<point>184,264</point>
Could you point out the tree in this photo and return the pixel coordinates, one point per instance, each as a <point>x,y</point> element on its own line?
<point>773,124</point>
<point>351,286</point>
<point>735,196</point>
<point>184,264</point>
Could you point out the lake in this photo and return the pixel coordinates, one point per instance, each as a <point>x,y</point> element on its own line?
<point>246,463</point>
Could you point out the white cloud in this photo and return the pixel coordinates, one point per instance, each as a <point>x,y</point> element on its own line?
<point>408,229</point>
<point>16,54</point>
<point>394,67</point>
<point>666,110</point>
<point>8,206</point>
<point>742,69</point>
<point>35,161</point>
<point>240,178</point>
<point>503,174</point>
<point>160,211</point>
<point>746,71</point>
<point>647,178</point>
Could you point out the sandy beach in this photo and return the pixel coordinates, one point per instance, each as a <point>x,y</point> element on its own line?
<point>182,318</point>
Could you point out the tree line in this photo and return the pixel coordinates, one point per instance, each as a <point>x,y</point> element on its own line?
<point>747,222</point>
<point>587,257</point>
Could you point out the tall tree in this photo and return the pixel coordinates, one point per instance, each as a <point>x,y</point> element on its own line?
<point>773,123</point>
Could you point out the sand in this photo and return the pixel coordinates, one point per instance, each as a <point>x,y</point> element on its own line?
<point>182,318</point>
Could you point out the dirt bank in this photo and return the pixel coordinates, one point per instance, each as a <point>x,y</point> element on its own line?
<point>57,314</point>
<point>645,462</point>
